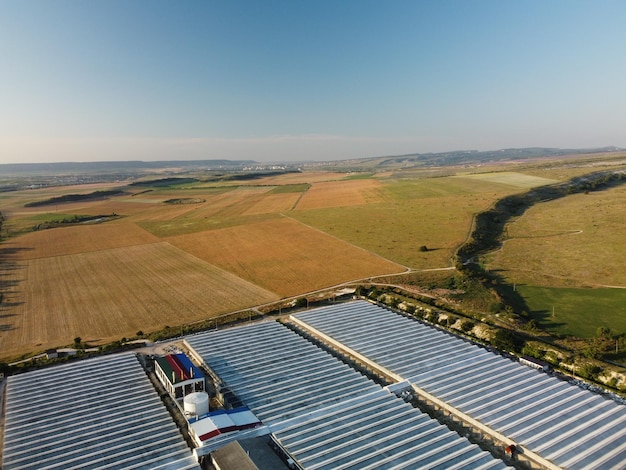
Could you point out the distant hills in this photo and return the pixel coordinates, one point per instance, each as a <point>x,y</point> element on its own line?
<point>127,166</point>
<point>460,157</point>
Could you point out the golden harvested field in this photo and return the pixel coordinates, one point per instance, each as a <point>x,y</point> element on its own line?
<point>20,218</point>
<point>233,203</point>
<point>163,212</point>
<point>16,199</point>
<point>273,203</point>
<point>119,205</point>
<point>104,295</point>
<point>78,239</point>
<point>108,280</point>
<point>243,244</point>
<point>298,178</point>
<point>576,240</point>
<point>225,203</point>
<point>341,193</point>
<point>233,207</point>
<point>284,256</point>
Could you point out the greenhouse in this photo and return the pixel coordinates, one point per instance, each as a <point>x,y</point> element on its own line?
<point>99,413</point>
<point>323,412</point>
<point>564,424</point>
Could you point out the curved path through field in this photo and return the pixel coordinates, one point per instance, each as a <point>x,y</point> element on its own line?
<point>560,233</point>
<point>328,289</point>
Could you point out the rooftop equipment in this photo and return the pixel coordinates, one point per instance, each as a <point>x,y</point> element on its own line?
<point>196,404</point>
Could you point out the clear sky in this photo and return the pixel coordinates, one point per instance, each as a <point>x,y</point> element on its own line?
<point>276,80</point>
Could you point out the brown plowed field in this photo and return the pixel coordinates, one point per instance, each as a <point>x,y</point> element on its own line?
<point>284,256</point>
<point>104,295</point>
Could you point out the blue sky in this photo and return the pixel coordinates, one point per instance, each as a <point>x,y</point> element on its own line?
<point>306,80</point>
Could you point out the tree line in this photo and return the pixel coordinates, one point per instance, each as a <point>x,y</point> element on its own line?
<point>74,198</point>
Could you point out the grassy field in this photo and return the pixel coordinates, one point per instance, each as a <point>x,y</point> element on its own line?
<point>224,208</point>
<point>243,243</point>
<point>574,241</point>
<point>577,312</point>
<point>511,178</point>
<point>558,248</point>
<point>434,212</point>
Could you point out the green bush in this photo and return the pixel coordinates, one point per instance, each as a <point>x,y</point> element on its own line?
<point>467,326</point>
<point>495,307</point>
<point>507,340</point>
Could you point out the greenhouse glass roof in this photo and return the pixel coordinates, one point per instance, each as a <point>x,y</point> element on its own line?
<point>327,415</point>
<point>98,413</point>
<point>563,423</point>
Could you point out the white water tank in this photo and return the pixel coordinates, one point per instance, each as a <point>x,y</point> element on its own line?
<point>196,404</point>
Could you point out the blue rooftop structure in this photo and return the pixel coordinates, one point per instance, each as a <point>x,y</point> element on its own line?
<point>188,365</point>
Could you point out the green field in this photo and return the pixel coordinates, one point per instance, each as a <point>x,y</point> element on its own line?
<point>577,312</point>
<point>519,180</point>
<point>435,212</point>
<point>359,176</point>
<point>290,188</point>
<point>569,254</point>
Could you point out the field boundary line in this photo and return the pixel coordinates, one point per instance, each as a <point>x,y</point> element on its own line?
<point>407,268</point>
<point>295,204</point>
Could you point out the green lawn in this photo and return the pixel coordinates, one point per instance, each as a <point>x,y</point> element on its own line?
<point>577,312</point>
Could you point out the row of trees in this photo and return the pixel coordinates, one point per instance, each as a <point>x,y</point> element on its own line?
<point>75,198</point>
